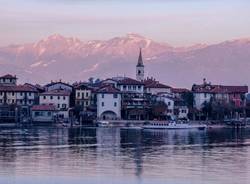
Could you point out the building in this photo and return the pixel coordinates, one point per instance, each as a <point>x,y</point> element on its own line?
<point>180,109</point>
<point>140,68</point>
<point>58,85</point>
<point>206,92</point>
<point>154,87</point>
<point>108,103</point>
<point>43,113</point>
<point>169,101</point>
<point>59,98</point>
<point>83,95</point>
<point>8,80</point>
<point>179,92</point>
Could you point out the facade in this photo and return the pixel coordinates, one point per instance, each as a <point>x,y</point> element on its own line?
<point>155,87</point>
<point>43,113</point>
<point>8,80</point>
<point>59,98</point>
<point>17,95</point>
<point>58,86</point>
<point>83,96</point>
<point>205,92</point>
<point>140,68</point>
<point>108,103</point>
<point>178,92</point>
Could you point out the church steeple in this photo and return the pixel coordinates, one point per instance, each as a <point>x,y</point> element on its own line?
<point>140,68</point>
<point>140,61</point>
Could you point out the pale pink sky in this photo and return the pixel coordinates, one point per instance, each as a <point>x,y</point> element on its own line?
<point>178,22</point>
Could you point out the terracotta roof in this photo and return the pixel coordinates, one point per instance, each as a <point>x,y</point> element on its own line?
<point>60,82</point>
<point>8,76</point>
<point>82,86</point>
<point>19,88</point>
<point>129,81</point>
<point>179,90</point>
<point>108,89</point>
<point>208,88</point>
<point>56,93</point>
<point>152,83</point>
<point>43,108</point>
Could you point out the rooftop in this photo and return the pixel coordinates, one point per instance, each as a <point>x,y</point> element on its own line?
<point>43,108</point>
<point>56,93</point>
<point>8,76</point>
<point>108,89</point>
<point>19,88</point>
<point>152,83</point>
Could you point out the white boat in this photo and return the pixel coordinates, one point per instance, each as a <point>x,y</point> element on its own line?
<point>131,126</point>
<point>172,125</point>
<point>103,124</point>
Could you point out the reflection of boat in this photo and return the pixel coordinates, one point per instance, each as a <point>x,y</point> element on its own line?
<point>172,125</point>
<point>103,124</point>
<point>129,126</point>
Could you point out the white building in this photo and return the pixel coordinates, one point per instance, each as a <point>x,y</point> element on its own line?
<point>43,113</point>
<point>83,96</point>
<point>17,95</point>
<point>108,103</point>
<point>8,80</point>
<point>58,86</point>
<point>130,85</point>
<point>59,98</point>
<point>155,87</point>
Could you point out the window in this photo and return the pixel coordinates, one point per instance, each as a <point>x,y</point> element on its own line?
<point>29,93</point>
<point>124,87</point>
<point>134,87</point>
<point>21,94</point>
<point>139,87</point>
<point>13,94</point>
<point>1,93</point>
<point>37,113</point>
<point>78,94</point>
<point>169,103</point>
<point>102,95</point>
<point>49,113</point>
<point>64,97</point>
<point>58,97</point>
<point>129,87</point>
<point>87,103</point>
<point>115,104</point>
<point>1,101</point>
<point>58,105</point>
<point>44,97</point>
<point>205,95</point>
<point>51,97</point>
<point>13,101</point>
<point>102,104</point>
<point>87,94</point>
<point>21,101</point>
<point>30,101</point>
<point>115,95</point>
<point>64,106</point>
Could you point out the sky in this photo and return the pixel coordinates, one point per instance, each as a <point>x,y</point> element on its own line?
<point>177,22</point>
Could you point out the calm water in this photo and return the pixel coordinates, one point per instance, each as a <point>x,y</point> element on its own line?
<point>60,156</point>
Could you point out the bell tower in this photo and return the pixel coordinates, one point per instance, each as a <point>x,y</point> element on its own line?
<point>140,68</point>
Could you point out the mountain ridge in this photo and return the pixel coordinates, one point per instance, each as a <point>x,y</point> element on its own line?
<point>69,58</point>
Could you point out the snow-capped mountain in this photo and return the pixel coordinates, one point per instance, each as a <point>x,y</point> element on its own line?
<point>58,57</point>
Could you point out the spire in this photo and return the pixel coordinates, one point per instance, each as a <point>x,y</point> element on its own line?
<point>140,61</point>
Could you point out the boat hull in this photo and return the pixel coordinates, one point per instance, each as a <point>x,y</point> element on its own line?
<point>176,126</point>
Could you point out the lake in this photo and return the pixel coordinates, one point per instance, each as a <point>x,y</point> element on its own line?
<point>113,155</point>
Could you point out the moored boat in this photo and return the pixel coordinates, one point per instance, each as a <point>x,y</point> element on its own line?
<point>172,125</point>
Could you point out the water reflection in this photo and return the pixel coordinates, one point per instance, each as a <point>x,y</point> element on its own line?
<point>121,156</point>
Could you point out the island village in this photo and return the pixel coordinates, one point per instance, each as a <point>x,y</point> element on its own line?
<point>120,100</point>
